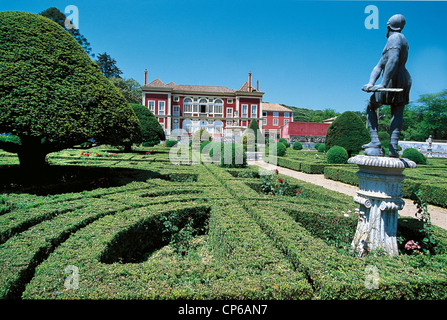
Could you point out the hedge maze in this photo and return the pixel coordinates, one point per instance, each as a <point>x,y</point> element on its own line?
<point>154,230</point>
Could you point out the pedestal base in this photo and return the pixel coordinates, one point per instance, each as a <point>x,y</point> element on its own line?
<point>380,199</point>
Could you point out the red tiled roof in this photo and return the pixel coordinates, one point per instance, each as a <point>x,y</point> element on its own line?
<point>267,106</point>
<point>157,83</point>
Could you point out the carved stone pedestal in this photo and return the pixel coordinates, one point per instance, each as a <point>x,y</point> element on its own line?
<point>380,198</point>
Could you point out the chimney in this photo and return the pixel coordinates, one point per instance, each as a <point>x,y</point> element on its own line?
<point>145,76</point>
<point>257,85</point>
<point>249,81</point>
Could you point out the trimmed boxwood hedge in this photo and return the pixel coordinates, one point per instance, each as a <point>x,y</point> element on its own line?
<point>256,246</point>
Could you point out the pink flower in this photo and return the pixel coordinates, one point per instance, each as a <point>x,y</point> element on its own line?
<point>276,171</point>
<point>280,180</point>
<point>147,152</point>
<point>298,191</point>
<point>412,245</point>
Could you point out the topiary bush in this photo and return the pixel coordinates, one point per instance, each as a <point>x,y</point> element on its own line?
<point>278,148</point>
<point>53,95</point>
<point>316,145</point>
<point>233,156</point>
<point>170,143</point>
<point>347,131</point>
<point>297,145</point>
<point>201,135</point>
<point>321,148</point>
<point>337,154</point>
<point>284,142</point>
<point>151,130</point>
<point>414,155</point>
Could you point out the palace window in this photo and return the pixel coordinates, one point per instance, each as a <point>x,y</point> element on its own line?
<point>218,106</point>
<point>151,105</point>
<point>254,110</point>
<point>264,121</point>
<point>203,104</point>
<point>286,114</point>
<point>229,112</point>
<point>176,111</point>
<point>187,105</point>
<point>161,107</point>
<point>276,114</point>
<point>286,121</point>
<point>245,111</point>
<point>275,122</point>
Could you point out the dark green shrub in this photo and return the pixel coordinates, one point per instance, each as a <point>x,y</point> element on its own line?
<point>415,155</point>
<point>170,143</point>
<point>233,156</point>
<point>297,145</point>
<point>347,131</point>
<point>280,149</point>
<point>204,144</point>
<point>384,138</point>
<point>317,144</point>
<point>254,126</point>
<point>151,130</point>
<point>284,142</point>
<point>63,100</point>
<point>337,154</point>
<point>321,148</point>
<point>201,135</point>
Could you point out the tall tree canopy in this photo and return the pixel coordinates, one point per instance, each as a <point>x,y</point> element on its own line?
<point>108,66</point>
<point>52,95</point>
<point>129,88</point>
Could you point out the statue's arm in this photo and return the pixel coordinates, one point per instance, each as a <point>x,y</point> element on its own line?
<point>391,66</point>
<point>388,64</point>
<point>375,74</point>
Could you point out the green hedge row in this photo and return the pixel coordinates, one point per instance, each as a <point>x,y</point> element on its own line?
<point>316,238</point>
<point>435,194</point>
<point>300,165</point>
<point>340,276</point>
<point>238,262</point>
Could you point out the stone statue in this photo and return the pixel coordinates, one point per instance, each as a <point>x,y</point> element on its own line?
<point>430,146</point>
<point>394,89</point>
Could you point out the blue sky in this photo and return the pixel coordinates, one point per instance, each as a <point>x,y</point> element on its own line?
<point>311,54</point>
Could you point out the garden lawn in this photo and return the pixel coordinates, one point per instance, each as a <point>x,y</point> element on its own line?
<point>135,226</point>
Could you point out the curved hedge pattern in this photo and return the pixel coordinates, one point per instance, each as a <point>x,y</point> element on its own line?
<point>255,246</point>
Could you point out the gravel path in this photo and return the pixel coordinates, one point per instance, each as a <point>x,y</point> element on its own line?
<point>438,214</point>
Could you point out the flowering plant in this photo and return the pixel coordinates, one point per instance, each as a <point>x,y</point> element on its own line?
<point>273,185</point>
<point>412,246</point>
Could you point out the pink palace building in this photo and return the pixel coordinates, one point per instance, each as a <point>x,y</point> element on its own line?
<point>192,107</point>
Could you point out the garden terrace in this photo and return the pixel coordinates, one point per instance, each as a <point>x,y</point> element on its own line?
<point>163,231</point>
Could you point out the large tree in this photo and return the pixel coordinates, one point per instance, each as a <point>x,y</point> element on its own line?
<point>57,16</point>
<point>52,95</point>
<point>108,66</point>
<point>129,88</point>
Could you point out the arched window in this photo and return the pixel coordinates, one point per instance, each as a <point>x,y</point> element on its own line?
<point>218,106</point>
<point>218,125</point>
<point>187,125</point>
<point>203,104</point>
<point>187,105</point>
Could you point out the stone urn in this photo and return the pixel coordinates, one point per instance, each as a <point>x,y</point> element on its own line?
<point>379,198</point>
